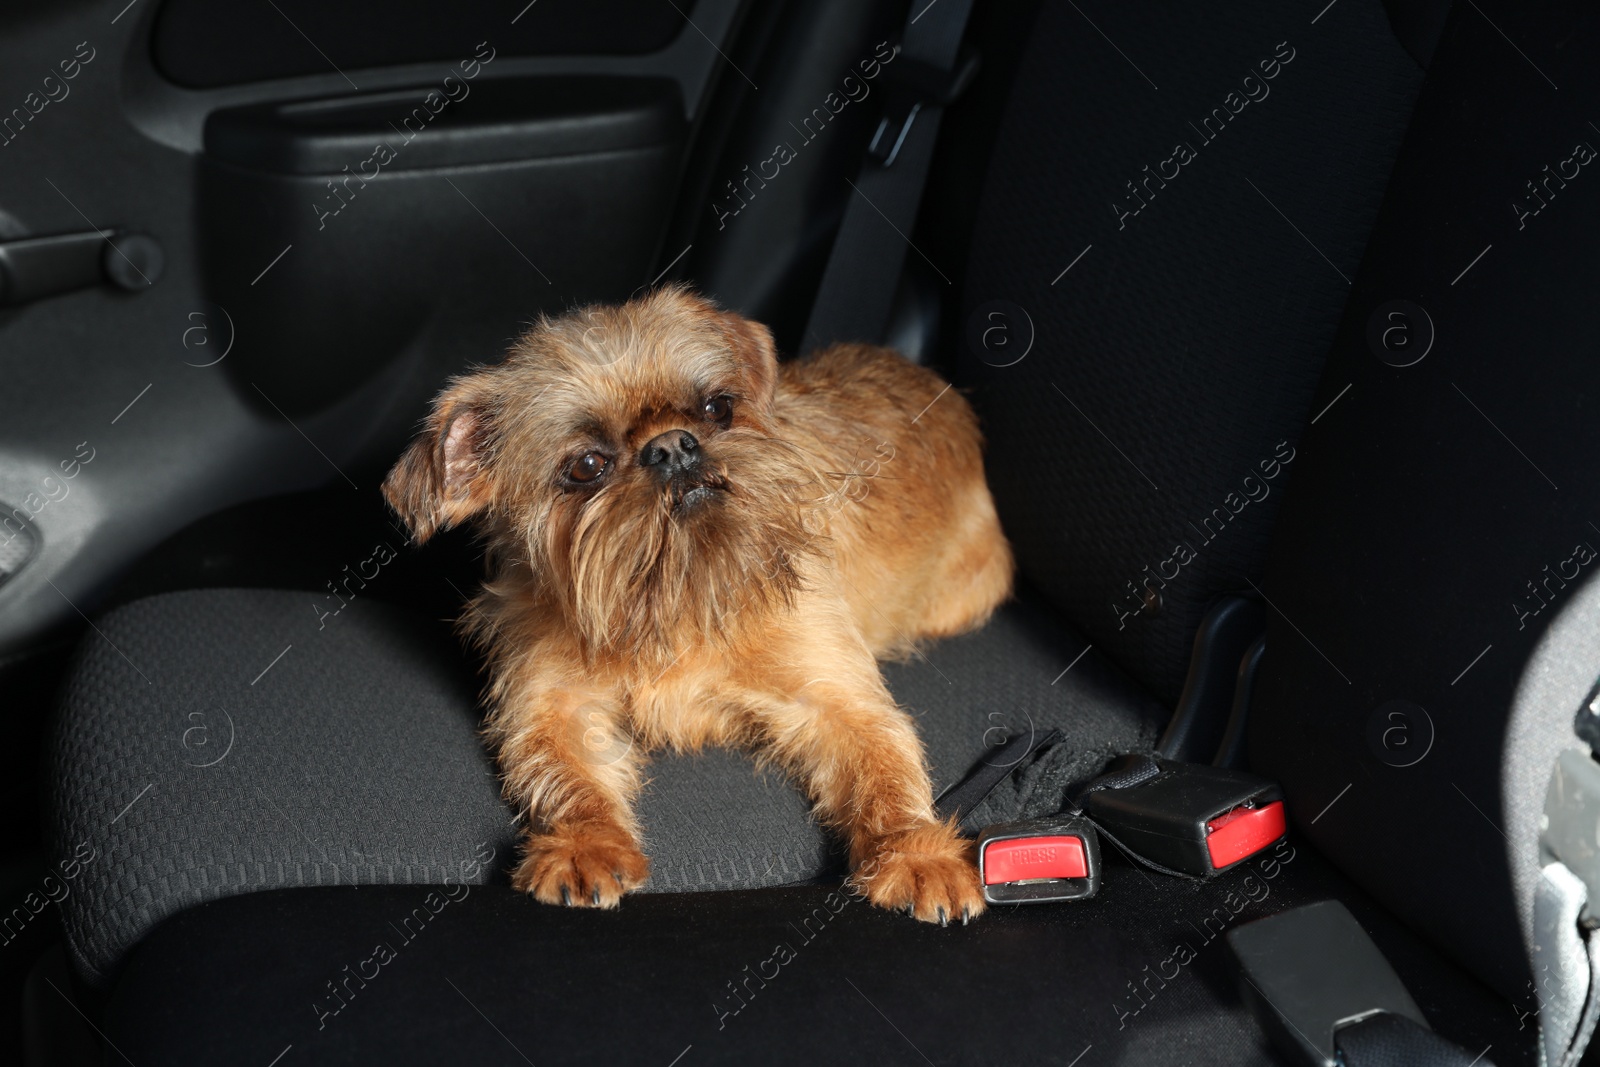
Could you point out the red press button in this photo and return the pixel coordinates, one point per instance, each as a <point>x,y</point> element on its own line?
<point>1018,859</point>
<point>1243,832</point>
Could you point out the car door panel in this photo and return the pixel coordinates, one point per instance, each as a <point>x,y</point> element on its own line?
<point>290,341</point>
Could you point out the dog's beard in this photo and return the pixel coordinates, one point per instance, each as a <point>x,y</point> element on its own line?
<point>652,568</point>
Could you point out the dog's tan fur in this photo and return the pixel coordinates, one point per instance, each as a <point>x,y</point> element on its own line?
<point>847,519</point>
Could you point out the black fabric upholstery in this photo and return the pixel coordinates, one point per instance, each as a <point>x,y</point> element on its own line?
<point>1185,344</point>
<point>1386,1040</point>
<point>1416,536</point>
<point>1418,24</point>
<point>495,978</point>
<point>354,757</point>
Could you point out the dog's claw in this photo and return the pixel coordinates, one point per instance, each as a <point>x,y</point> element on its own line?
<point>576,867</point>
<point>926,872</point>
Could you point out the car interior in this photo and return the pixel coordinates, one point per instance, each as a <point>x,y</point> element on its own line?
<point>1273,318</point>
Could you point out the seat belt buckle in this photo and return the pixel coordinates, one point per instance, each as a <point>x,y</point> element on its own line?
<point>1191,817</point>
<point>1039,861</point>
<point>1325,994</point>
<point>909,84</point>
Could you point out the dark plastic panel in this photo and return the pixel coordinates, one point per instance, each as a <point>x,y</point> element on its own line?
<point>1200,721</point>
<point>509,119</point>
<point>550,190</point>
<point>204,44</point>
<point>149,378</point>
<point>1307,971</point>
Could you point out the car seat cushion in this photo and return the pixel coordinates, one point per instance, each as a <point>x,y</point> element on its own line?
<point>222,741</point>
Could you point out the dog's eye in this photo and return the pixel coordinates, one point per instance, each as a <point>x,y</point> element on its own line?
<point>587,467</point>
<point>718,409</point>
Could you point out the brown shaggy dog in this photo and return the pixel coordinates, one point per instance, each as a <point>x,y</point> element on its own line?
<point>692,545</point>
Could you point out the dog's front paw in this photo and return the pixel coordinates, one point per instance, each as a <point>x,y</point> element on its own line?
<point>585,866</point>
<point>928,872</point>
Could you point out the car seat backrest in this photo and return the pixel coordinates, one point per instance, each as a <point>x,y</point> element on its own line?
<point>1177,200</point>
<point>1437,550</point>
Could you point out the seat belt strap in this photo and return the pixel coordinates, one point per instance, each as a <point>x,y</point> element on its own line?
<point>958,801</point>
<point>929,70</point>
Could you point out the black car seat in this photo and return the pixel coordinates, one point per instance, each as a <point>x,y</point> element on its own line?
<point>236,760</point>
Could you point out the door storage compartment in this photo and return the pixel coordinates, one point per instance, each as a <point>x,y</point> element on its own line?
<point>337,230</point>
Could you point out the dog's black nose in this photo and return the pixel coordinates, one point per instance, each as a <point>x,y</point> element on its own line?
<point>670,452</point>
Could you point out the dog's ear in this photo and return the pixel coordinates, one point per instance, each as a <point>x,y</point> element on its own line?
<point>752,343</point>
<point>444,476</point>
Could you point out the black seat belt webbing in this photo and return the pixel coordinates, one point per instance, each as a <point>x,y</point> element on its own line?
<point>958,801</point>
<point>858,286</point>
